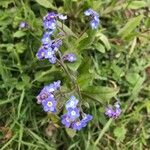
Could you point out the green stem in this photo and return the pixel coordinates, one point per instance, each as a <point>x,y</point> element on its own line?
<point>69,75</point>
<point>103,131</point>
<point>66,70</point>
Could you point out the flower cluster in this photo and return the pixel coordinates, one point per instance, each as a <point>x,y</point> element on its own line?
<point>94,16</point>
<point>46,97</point>
<point>72,117</point>
<point>113,112</point>
<point>50,47</point>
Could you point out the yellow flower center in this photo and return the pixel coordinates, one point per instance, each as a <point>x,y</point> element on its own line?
<point>43,54</point>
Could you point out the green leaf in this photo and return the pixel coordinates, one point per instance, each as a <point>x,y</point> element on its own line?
<point>5,3</point>
<point>84,80</point>
<point>19,34</point>
<point>86,42</point>
<point>99,47</point>
<point>136,4</point>
<point>46,4</point>
<point>100,93</point>
<point>20,47</point>
<point>118,71</point>
<point>120,132</point>
<point>130,26</point>
<point>66,29</point>
<point>104,39</point>
<point>132,78</point>
<point>138,86</point>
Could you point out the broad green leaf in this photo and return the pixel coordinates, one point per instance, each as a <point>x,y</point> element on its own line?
<point>136,4</point>
<point>66,29</point>
<point>104,39</point>
<point>130,26</point>
<point>138,86</point>
<point>100,93</point>
<point>46,4</point>
<point>5,3</point>
<point>19,34</point>
<point>86,43</point>
<point>41,76</point>
<point>84,36</point>
<point>120,133</point>
<point>99,47</point>
<point>85,80</point>
<point>132,78</point>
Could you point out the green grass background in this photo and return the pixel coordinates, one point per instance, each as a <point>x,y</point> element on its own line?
<point>114,63</point>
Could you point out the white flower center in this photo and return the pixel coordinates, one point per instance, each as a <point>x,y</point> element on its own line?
<point>49,104</point>
<point>47,39</point>
<point>42,54</point>
<point>73,113</point>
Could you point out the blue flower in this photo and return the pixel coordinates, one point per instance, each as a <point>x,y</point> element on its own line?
<point>65,120</point>
<point>42,96</point>
<point>72,102</point>
<point>41,53</point>
<point>23,24</point>
<point>50,16</point>
<point>53,59</point>
<point>86,119</point>
<point>56,44</point>
<point>77,125</point>
<point>94,23</point>
<point>49,105</point>
<point>46,38</point>
<point>49,25</point>
<point>56,84</point>
<point>109,111</point>
<point>73,113</point>
<point>70,57</point>
<point>53,86</point>
<point>88,12</point>
<point>47,91</point>
<point>49,53</point>
<point>113,112</point>
<point>117,113</point>
<point>49,21</point>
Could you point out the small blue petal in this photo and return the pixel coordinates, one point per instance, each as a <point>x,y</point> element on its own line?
<point>88,12</point>
<point>72,102</point>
